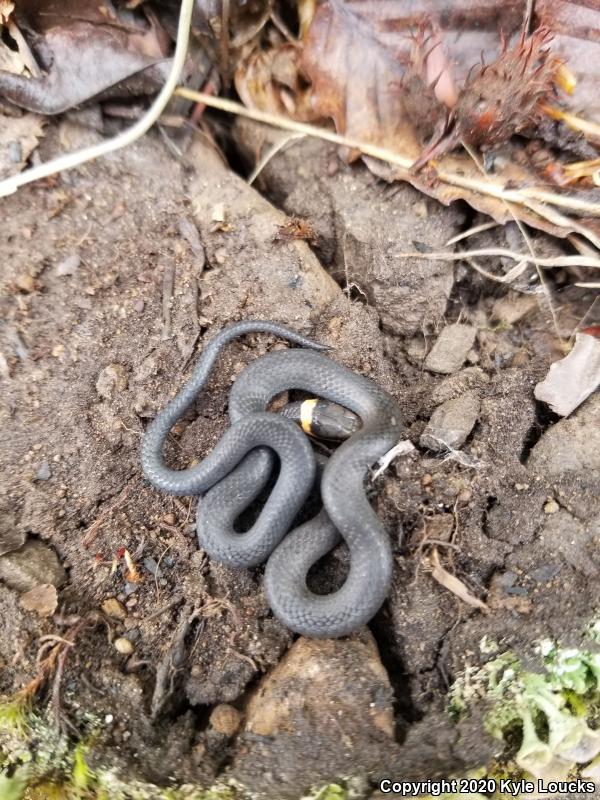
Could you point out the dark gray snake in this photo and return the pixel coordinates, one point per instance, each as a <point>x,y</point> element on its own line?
<point>240,465</point>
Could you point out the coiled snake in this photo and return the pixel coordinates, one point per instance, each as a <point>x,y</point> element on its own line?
<point>239,467</point>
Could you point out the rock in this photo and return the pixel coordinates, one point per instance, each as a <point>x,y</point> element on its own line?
<point>571,380</point>
<point>10,538</point>
<point>68,265</point>
<point>225,719</point>
<point>42,599</point>
<point>44,472</point>
<point>113,608</point>
<point>25,282</point>
<point>451,423</point>
<point>123,646</point>
<point>324,711</point>
<point>111,380</point>
<point>35,563</point>
<point>449,352</point>
<point>459,383</point>
<point>571,446</point>
<point>551,507</point>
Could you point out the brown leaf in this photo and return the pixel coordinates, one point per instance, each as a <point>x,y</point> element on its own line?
<point>42,599</point>
<point>269,80</point>
<point>373,69</point>
<point>86,52</point>
<point>357,77</point>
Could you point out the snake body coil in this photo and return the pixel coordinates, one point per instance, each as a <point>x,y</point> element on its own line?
<point>240,465</point>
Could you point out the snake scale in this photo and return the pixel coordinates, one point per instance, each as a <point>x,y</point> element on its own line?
<point>237,470</point>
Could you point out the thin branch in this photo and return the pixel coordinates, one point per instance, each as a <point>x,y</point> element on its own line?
<point>521,196</point>
<point>501,252</point>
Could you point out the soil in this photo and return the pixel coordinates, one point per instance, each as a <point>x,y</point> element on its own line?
<point>91,356</point>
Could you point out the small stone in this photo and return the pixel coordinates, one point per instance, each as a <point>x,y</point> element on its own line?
<point>416,348</point>
<point>138,306</point>
<point>123,646</point>
<point>43,472</point>
<point>112,379</point>
<point>33,564</point>
<point>26,283</point>
<point>152,567</point>
<point>10,538</point>
<point>225,719</point>
<point>42,599</point>
<point>450,350</point>
<point>551,507</point>
<point>58,350</point>
<point>451,423</point>
<point>108,719</point>
<point>69,265</point>
<point>221,255</point>
<point>459,383</point>
<point>113,608</point>
<point>169,519</point>
<point>521,487</point>
<point>15,152</point>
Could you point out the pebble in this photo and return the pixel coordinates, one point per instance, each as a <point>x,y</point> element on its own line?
<point>112,379</point>
<point>42,599</point>
<point>10,538</point>
<point>551,507</point>
<point>138,306</point>
<point>152,567</point>
<point>451,423</point>
<point>44,472</point>
<point>123,646</point>
<point>225,719</point>
<point>459,383</point>
<point>25,283</point>
<point>69,265</point>
<point>449,352</point>
<point>113,608</point>
<point>33,564</point>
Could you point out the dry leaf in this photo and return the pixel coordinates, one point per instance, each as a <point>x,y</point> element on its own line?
<point>357,77</point>
<point>452,583</point>
<point>84,56</point>
<point>42,599</point>
<point>572,380</point>
<point>388,73</point>
<point>269,80</point>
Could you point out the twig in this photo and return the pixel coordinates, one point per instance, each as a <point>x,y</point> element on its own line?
<point>70,160</point>
<point>523,196</point>
<point>168,283</point>
<point>94,528</point>
<point>171,604</point>
<point>272,152</point>
<point>486,226</point>
<point>501,252</point>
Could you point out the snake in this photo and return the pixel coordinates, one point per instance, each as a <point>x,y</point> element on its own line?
<point>243,462</point>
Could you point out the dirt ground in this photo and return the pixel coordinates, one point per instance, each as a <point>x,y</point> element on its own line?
<point>185,672</point>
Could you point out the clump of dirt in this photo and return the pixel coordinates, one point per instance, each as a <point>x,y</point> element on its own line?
<point>159,254</point>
